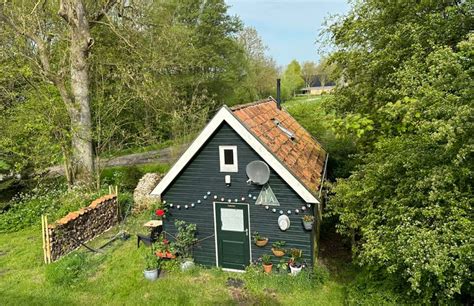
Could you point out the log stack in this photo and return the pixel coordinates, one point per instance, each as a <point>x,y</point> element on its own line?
<point>67,233</point>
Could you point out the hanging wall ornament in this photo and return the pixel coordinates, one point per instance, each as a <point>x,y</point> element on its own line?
<point>229,200</point>
<point>236,200</point>
<point>208,193</point>
<point>186,206</point>
<point>267,207</point>
<point>250,195</point>
<point>289,212</point>
<point>164,202</point>
<point>171,205</point>
<point>192,204</point>
<point>243,199</point>
<point>215,197</point>
<point>204,197</point>
<point>222,199</point>
<point>309,205</point>
<point>254,198</point>
<point>281,212</point>
<point>274,210</point>
<point>297,211</point>
<point>178,206</point>
<point>199,201</point>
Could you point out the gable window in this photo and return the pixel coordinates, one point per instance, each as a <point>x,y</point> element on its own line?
<point>228,159</point>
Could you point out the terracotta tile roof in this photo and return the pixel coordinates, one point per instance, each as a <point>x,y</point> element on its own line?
<point>303,155</point>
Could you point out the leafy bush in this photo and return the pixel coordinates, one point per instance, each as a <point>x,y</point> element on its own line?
<point>27,208</point>
<point>127,177</point>
<point>67,271</point>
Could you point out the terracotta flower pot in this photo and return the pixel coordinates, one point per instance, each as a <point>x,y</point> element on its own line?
<point>278,252</point>
<point>261,243</point>
<point>267,268</point>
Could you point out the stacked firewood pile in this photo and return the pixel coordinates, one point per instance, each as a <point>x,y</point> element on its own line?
<point>67,233</point>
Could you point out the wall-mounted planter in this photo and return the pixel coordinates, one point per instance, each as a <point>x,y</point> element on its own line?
<point>262,242</point>
<point>278,252</point>
<point>308,225</point>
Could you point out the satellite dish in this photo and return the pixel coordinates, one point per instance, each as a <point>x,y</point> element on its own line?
<point>258,172</point>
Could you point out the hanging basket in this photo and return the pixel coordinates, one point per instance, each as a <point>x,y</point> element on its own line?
<point>278,252</point>
<point>261,243</point>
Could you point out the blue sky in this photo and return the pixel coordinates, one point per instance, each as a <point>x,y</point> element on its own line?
<point>288,27</point>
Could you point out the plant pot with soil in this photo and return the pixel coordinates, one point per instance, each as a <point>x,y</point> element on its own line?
<point>267,263</point>
<point>278,248</point>
<point>259,240</point>
<point>308,221</point>
<point>152,265</point>
<point>295,261</point>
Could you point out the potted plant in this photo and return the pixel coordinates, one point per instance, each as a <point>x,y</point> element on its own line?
<point>308,221</point>
<point>260,241</point>
<point>152,265</point>
<point>277,248</point>
<point>185,239</point>
<point>295,261</point>
<point>165,249</point>
<point>267,263</point>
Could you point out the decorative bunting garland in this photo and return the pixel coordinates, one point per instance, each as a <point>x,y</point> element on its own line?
<point>250,196</point>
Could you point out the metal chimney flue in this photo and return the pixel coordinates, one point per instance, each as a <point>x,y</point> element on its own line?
<point>278,100</point>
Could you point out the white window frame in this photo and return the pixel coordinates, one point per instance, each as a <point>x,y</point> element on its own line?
<point>228,168</point>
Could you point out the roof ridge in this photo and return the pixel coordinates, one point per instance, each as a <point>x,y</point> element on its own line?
<point>241,106</point>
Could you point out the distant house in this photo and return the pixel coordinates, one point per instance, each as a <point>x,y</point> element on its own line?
<point>251,167</point>
<point>316,90</point>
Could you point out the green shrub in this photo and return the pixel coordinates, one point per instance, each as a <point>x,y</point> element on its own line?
<point>68,270</point>
<point>55,201</point>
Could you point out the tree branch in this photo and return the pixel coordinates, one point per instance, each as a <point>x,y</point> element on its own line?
<point>95,18</point>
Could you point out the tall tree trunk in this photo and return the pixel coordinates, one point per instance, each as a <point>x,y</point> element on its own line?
<point>83,154</point>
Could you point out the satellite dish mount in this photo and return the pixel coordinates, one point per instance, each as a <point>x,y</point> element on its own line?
<point>258,172</point>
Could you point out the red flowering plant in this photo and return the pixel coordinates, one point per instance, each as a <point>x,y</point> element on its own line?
<point>164,248</point>
<point>159,211</point>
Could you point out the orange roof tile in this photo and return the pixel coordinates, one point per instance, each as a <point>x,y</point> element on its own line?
<point>303,156</point>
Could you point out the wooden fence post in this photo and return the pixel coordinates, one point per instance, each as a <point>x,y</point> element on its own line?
<point>44,240</point>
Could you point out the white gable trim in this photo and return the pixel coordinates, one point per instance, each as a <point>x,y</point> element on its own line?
<point>225,114</point>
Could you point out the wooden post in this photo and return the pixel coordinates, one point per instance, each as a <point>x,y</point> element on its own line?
<point>117,202</point>
<point>48,244</point>
<point>44,240</point>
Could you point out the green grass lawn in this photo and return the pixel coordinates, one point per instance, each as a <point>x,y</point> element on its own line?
<point>115,277</point>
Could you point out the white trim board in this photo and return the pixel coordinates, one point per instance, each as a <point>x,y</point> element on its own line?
<point>226,115</point>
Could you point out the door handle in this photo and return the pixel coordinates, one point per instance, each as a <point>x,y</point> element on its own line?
<point>246,232</point>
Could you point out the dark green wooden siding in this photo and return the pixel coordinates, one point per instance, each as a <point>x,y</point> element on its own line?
<point>202,174</point>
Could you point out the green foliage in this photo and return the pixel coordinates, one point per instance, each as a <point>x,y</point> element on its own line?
<point>316,116</point>
<point>279,245</point>
<point>266,259</point>
<point>151,261</point>
<point>68,271</point>
<point>291,80</point>
<point>185,238</point>
<point>260,70</point>
<point>127,177</point>
<point>407,103</point>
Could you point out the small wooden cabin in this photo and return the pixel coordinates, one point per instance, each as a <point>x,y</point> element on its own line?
<point>209,185</point>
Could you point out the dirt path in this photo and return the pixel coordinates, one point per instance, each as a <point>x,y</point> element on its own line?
<point>162,156</point>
